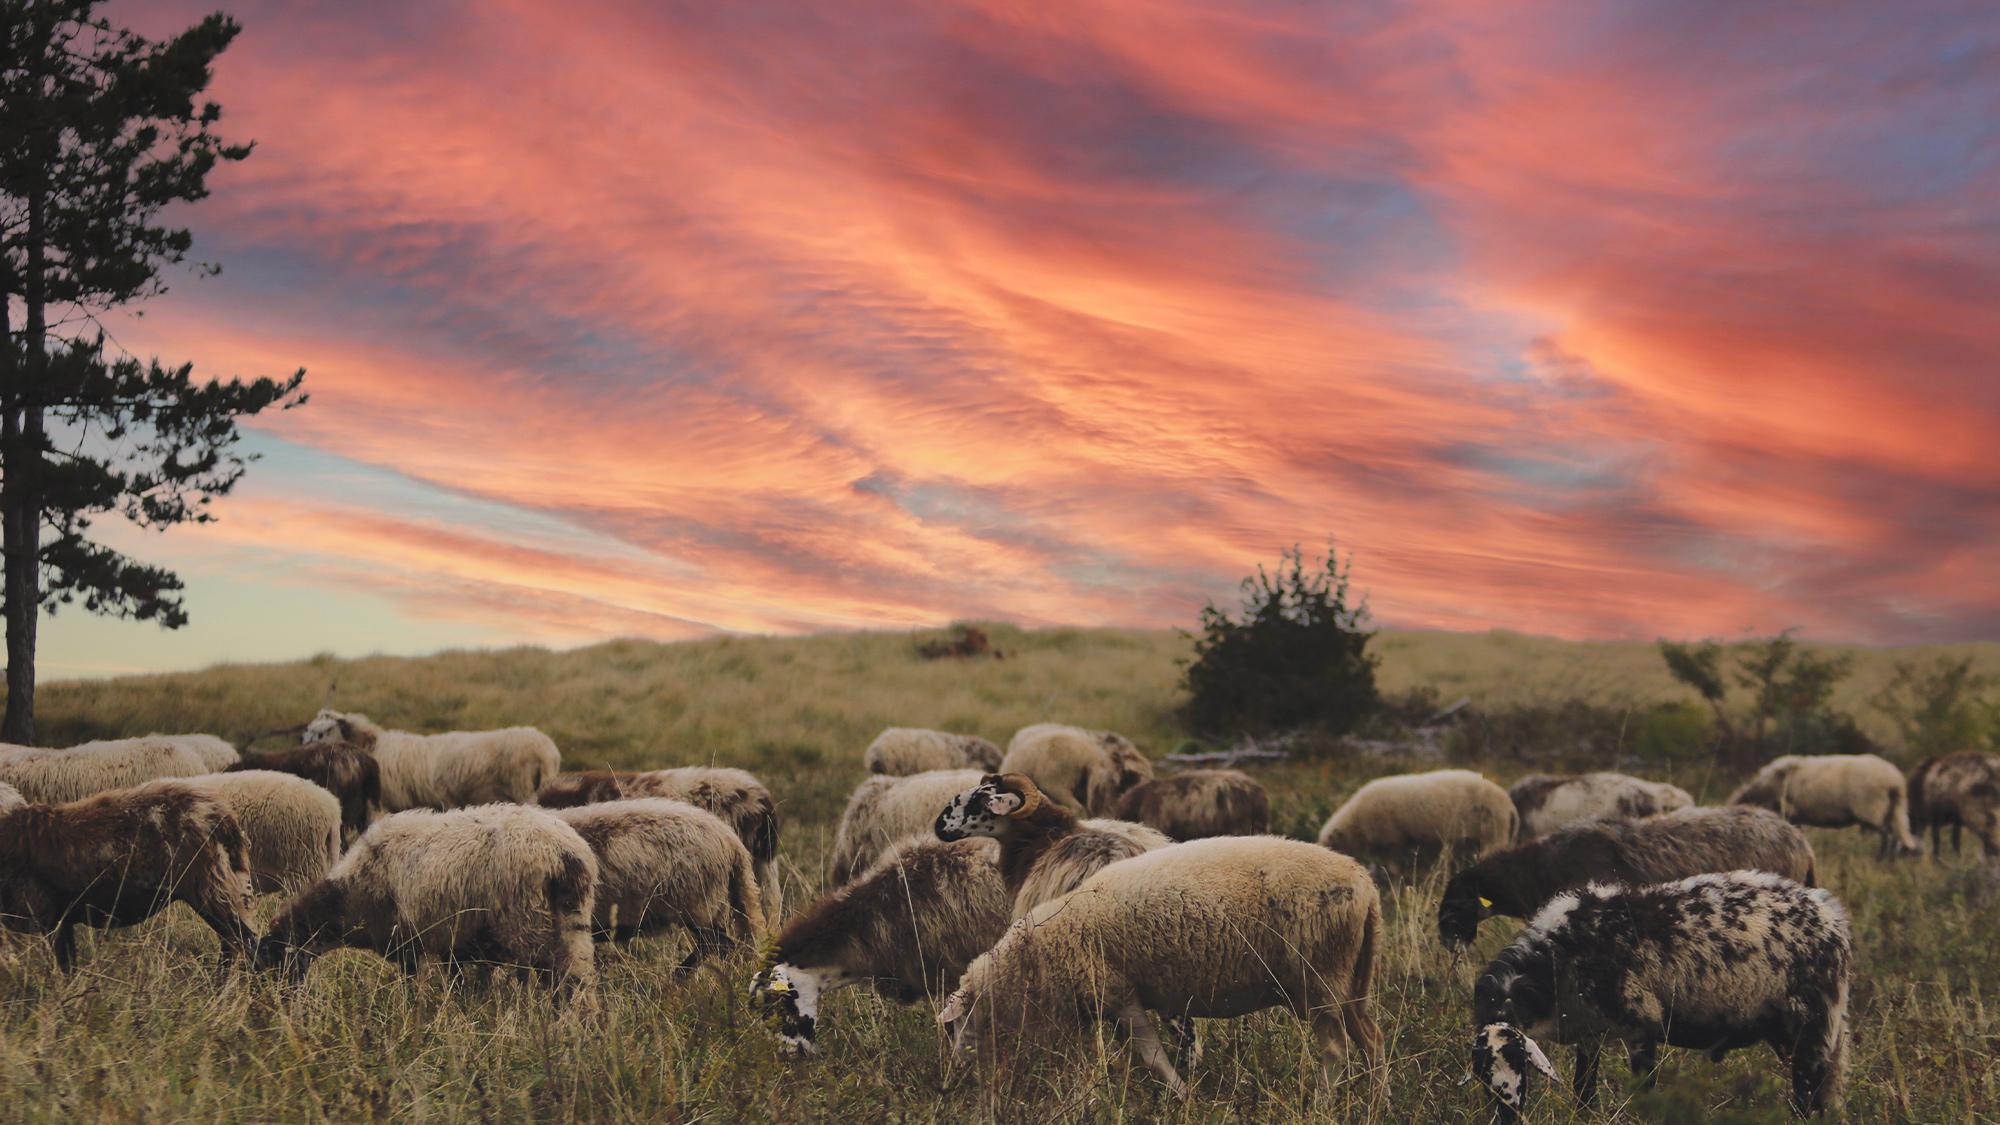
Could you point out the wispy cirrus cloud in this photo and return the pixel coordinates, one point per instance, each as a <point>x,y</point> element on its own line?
<point>1583,319</point>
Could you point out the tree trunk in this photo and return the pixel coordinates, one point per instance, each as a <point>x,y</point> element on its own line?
<point>21,498</point>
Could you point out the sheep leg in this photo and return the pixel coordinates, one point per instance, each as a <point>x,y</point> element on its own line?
<point>1645,1060</point>
<point>1957,840</point>
<point>1331,1031</point>
<point>1187,1046</point>
<point>1584,1080</point>
<point>1145,1038</point>
<point>63,941</point>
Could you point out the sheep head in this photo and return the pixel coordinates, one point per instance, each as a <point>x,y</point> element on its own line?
<point>1503,1057</point>
<point>985,809</point>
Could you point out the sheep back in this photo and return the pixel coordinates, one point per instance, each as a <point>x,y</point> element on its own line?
<point>1199,803</point>
<point>58,776</point>
<point>1095,845</point>
<point>1084,771</point>
<point>1548,803</point>
<point>1834,791</point>
<point>292,825</point>
<point>1454,810</point>
<point>663,863</point>
<point>906,750</point>
<point>884,809</point>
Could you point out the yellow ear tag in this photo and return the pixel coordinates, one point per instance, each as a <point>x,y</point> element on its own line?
<point>1485,903</point>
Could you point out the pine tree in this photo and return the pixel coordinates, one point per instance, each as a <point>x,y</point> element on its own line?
<point>100,130</point>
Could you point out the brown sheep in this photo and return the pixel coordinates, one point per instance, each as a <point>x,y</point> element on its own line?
<point>343,769</point>
<point>1199,803</point>
<point>1045,851</point>
<point>117,859</point>
<point>1961,790</point>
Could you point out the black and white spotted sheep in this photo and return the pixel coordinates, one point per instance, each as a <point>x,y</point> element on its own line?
<point>1711,963</point>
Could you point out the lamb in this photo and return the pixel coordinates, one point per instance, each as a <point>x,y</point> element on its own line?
<point>10,798</point>
<point>908,926</point>
<point>665,864</point>
<point>1961,790</point>
<point>736,796</point>
<point>1198,803</point>
<point>348,772</point>
<point>906,750</point>
<point>1424,814</point>
<point>293,826</point>
<point>1517,881</point>
<point>56,776</point>
<point>494,884</point>
<point>446,771</point>
<point>884,809</point>
<point>1712,962</point>
<point>1835,791</point>
<point>1083,771</point>
<point>1211,928</point>
<point>117,859</point>
<point>1045,852</point>
<point>1548,803</point>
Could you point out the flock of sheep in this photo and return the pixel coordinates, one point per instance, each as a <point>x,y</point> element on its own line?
<point>1042,889</point>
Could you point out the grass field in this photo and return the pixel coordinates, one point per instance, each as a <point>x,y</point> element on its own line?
<point>151,1029</point>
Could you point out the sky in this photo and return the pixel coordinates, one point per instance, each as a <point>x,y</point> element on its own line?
<point>1618,319</point>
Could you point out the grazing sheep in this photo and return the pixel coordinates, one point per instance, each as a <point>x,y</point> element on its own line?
<point>10,797</point>
<point>1517,881</point>
<point>495,884</point>
<point>1045,852</point>
<point>1213,928</point>
<point>1835,791</point>
<point>1548,803</point>
<point>908,926</point>
<point>736,796</point>
<point>1960,790</point>
<point>1424,814</point>
<point>348,772</point>
<point>906,750</point>
<point>214,753</point>
<point>117,859</point>
<point>454,770</point>
<point>293,826</point>
<point>53,777</point>
<point>1712,963</point>
<point>884,809</point>
<point>1084,771</point>
<point>664,864</point>
<point>1199,803</point>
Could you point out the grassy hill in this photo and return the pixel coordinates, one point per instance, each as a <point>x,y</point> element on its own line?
<point>149,1029</point>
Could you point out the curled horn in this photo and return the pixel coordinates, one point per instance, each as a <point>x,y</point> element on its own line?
<point>1031,795</point>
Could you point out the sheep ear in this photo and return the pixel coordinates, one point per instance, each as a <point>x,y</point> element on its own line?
<point>955,1007</point>
<point>1537,1059</point>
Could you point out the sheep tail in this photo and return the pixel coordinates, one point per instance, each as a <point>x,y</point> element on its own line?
<point>745,903</point>
<point>1899,817</point>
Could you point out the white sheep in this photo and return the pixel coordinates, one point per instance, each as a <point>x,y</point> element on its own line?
<point>57,776</point>
<point>906,750</point>
<point>884,809</point>
<point>446,771</point>
<point>1711,963</point>
<point>664,864</point>
<point>1548,803</point>
<point>1836,791</point>
<point>1045,851</point>
<point>1424,814</point>
<point>214,753</point>
<point>494,884</point>
<point>10,797</point>
<point>907,927</point>
<point>1194,804</point>
<point>1084,771</point>
<point>736,796</point>
<point>292,825</point>
<point>1212,928</point>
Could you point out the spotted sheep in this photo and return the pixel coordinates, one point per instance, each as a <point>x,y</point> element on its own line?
<point>734,796</point>
<point>907,927</point>
<point>496,884</point>
<point>118,858</point>
<point>1196,804</point>
<point>1548,803</point>
<point>453,770</point>
<point>1045,851</point>
<point>1213,928</point>
<point>664,865</point>
<point>1423,816</point>
<point>1710,963</point>
<point>347,771</point>
<point>1517,881</point>
<point>906,750</point>
<point>884,809</point>
<point>1958,791</point>
<point>1836,791</point>
<point>1084,771</point>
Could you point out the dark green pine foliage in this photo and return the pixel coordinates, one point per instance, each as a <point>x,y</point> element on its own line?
<point>1297,656</point>
<point>101,130</point>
